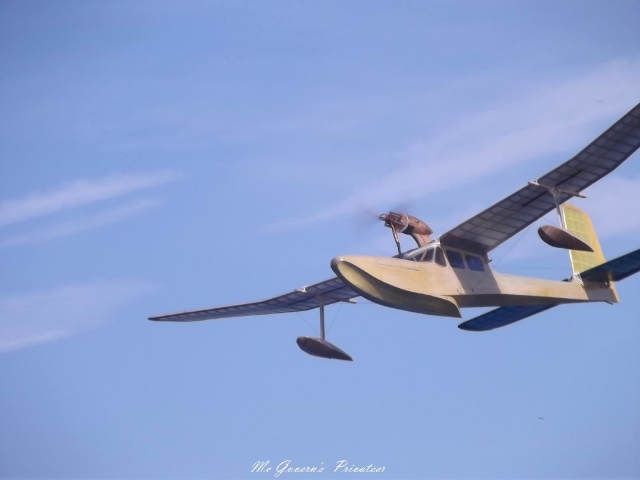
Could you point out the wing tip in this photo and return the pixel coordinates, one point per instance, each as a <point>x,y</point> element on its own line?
<point>466,326</point>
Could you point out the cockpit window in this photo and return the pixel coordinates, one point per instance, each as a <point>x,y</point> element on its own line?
<point>419,258</point>
<point>428,256</point>
<point>474,263</point>
<point>455,259</point>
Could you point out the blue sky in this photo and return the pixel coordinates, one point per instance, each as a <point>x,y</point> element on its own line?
<point>160,156</point>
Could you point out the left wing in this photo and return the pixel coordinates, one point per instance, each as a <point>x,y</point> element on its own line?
<point>305,298</point>
<point>498,223</point>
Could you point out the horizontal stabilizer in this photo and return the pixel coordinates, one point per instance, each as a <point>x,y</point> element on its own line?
<point>614,270</point>
<point>501,317</point>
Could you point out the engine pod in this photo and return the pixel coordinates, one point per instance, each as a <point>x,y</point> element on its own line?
<point>560,238</point>
<point>321,348</point>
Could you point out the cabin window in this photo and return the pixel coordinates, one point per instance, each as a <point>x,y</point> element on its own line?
<point>474,263</point>
<point>440,257</point>
<point>455,259</point>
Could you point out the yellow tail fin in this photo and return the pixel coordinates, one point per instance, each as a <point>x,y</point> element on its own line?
<point>579,224</point>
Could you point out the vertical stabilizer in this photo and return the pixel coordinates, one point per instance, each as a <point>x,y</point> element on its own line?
<point>579,224</point>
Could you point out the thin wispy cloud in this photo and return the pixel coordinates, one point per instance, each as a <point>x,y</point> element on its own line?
<point>80,193</point>
<point>613,205</point>
<point>30,319</point>
<point>71,227</point>
<point>556,117</point>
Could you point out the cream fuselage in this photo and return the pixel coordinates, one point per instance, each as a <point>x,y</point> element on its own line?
<point>430,288</point>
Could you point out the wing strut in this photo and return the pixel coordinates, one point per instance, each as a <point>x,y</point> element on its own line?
<point>321,303</point>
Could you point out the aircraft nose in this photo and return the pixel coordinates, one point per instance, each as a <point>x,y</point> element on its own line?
<point>350,268</point>
<point>339,265</point>
<point>343,264</point>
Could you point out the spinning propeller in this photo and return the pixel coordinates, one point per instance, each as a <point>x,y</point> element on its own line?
<point>407,224</point>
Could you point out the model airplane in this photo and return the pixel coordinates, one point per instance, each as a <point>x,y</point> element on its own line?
<point>452,271</point>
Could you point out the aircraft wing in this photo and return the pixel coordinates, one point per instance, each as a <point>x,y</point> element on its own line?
<point>501,317</point>
<point>614,270</point>
<point>306,298</point>
<point>500,222</point>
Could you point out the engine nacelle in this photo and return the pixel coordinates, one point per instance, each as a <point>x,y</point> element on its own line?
<point>408,225</point>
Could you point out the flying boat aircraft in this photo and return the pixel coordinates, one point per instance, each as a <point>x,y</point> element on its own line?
<point>452,271</point>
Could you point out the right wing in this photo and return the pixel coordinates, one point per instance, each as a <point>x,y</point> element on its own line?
<point>497,224</point>
<point>614,270</point>
<point>306,298</point>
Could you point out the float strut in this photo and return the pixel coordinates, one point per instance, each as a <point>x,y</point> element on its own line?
<point>555,193</point>
<point>319,347</point>
<point>321,319</point>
